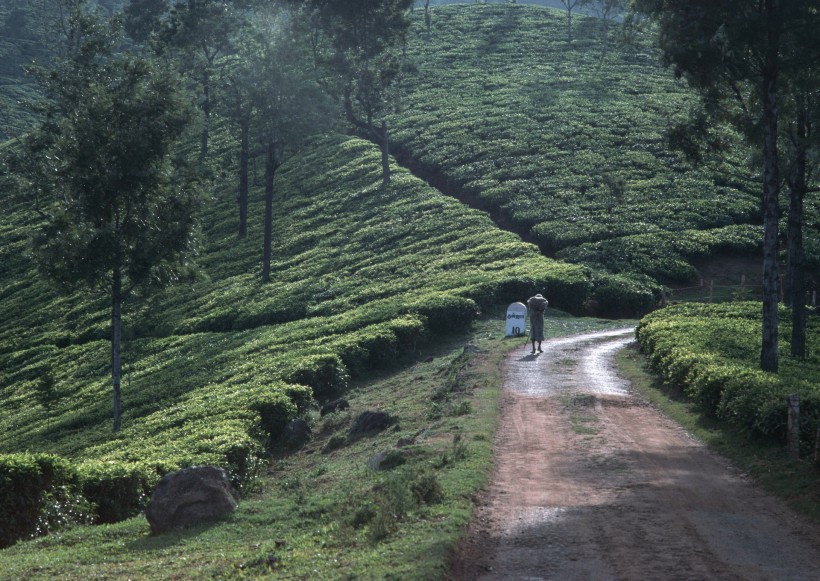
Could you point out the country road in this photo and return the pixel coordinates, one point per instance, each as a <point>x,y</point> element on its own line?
<point>593,483</point>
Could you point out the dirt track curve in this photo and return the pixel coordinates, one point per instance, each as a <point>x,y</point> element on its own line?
<point>593,483</point>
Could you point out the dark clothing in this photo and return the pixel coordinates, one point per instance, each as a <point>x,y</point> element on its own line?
<point>535,307</point>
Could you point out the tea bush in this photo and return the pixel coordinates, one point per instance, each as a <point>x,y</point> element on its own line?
<point>39,493</point>
<point>711,352</point>
<point>117,490</point>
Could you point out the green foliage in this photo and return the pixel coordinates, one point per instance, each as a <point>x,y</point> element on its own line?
<point>117,490</point>
<point>618,295</point>
<point>711,353</point>
<point>665,256</point>
<point>39,493</point>
<point>215,368</point>
<point>572,153</point>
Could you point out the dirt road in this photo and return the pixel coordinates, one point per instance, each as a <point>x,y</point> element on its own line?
<point>593,483</point>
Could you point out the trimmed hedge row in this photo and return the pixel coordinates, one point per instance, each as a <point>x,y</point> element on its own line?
<point>710,352</point>
<point>42,493</point>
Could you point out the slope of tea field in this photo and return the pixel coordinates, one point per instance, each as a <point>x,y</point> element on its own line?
<point>569,146</point>
<point>213,368</point>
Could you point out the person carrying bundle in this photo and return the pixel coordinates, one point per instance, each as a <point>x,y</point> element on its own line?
<point>535,308</point>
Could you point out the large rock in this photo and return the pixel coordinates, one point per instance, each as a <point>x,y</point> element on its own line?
<point>297,433</point>
<point>190,496</point>
<point>371,422</point>
<point>333,407</point>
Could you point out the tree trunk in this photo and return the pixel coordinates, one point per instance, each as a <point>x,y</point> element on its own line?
<point>206,111</point>
<point>244,155</point>
<point>570,5</point>
<point>427,21</point>
<point>384,143</point>
<point>796,260</point>
<point>271,164</point>
<point>768,352</point>
<point>116,338</point>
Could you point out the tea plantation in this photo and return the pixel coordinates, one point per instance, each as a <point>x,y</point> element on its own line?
<point>214,369</point>
<point>565,144</point>
<point>569,145</point>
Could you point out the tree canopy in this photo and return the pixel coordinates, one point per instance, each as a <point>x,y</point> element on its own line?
<point>738,55</point>
<point>118,213</point>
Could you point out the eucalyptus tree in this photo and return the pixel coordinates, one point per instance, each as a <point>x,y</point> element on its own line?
<point>358,49</point>
<point>736,48</point>
<point>800,139</point>
<point>281,99</point>
<point>202,31</point>
<point>144,18</point>
<point>237,104</point>
<point>569,6</point>
<point>428,20</point>
<point>607,11</point>
<point>117,216</point>
<point>800,112</point>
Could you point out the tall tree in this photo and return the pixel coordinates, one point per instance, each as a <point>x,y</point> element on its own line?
<point>428,20</point>
<point>144,18</point>
<point>118,218</point>
<point>202,31</point>
<point>607,11</point>
<point>239,78</point>
<point>288,105</point>
<point>569,6</point>
<point>358,49</point>
<point>735,47</point>
<point>800,111</point>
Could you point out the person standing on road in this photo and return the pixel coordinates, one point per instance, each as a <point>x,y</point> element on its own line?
<point>535,308</point>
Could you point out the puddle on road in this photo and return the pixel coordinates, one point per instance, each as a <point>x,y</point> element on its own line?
<point>582,363</point>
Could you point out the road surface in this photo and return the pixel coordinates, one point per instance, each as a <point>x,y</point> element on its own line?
<point>593,483</point>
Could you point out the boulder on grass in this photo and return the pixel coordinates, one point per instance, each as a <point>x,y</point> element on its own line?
<point>334,406</point>
<point>371,422</point>
<point>297,433</point>
<point>189,497</point>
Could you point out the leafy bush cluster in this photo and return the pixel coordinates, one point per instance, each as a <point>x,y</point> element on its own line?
<point>665,256</point>
<point>712,353</point>
<point>570,148</point>
<point>41,493</point>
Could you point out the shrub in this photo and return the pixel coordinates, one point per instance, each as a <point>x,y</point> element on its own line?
<point>427,489</point>
<point>117,490</point>
<point>276,406</point>
<point>446,313</point>
<point>409,331</point>
<point>623,295</point>
<point>704,349</point>
<point>39,493</point>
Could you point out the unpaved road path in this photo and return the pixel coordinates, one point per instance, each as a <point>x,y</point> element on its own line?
<point>592,483</point>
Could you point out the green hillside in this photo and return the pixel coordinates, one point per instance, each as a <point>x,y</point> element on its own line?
<point>361,273</point>
<point>569,147</point>
<point>566,148</point>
